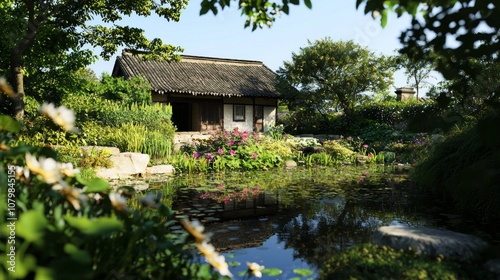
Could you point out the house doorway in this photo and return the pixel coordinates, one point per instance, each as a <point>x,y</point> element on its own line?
<point>181,116</point>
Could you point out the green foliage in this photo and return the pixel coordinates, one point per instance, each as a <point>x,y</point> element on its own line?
<point>331,75</point>
<point>372,262</point>
<point>464,169</point>
<point>68,226</point>
<point>49,40</point>
<point>134,91</point>
<point>338,151</point>
<point>85,158</point>
<point>226,150</point>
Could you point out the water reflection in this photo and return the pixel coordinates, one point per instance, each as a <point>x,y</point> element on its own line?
<point>306,217</point>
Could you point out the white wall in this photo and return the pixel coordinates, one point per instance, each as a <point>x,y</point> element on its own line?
<point>269,117</point>
<point>229,124</point>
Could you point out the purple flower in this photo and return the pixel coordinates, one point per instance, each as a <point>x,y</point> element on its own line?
<point>232,152</point>
<point>254,155</point>
<point>220,151</point>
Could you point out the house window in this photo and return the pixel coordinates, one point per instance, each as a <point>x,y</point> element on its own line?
<point>239,113</point>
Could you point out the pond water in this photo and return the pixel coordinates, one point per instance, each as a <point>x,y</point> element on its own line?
<point>298,218</point>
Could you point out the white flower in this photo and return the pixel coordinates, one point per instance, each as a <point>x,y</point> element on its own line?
<point>67,169</point>
<point>22,171</point>
<point>47,168</point>
<point>255,269</point>
<point>208,250</point>
<point>219,263</point>
<point>195,228</point>
<point>72,195</point>
<point>62,116</point>
<point>118,202</point>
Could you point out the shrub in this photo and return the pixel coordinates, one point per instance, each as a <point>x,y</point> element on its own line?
<point>338,151</point>
<point>464,169</point>
<point>369,261</point>
<point>69,227</point>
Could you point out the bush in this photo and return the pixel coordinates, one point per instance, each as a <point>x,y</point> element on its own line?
<point>338,151</point>
<point>69,227</point>
<point>464,169</point>
<point>372,262</point>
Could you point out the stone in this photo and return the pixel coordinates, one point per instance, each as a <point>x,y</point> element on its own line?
<point>160,169</point>
<point>433,242</point>
<point>125,165</point>
<point>290,163</point>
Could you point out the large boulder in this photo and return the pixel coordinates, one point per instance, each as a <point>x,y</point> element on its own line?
<point>433,242</point>
<point>125,165</point>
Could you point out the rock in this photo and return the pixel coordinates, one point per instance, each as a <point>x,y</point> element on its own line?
<point>160,169</point>
<point>125,165</point>
<point>433,242</point>
<point>290,163</point>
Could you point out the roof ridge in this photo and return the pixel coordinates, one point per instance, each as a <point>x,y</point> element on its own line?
<point>206,59</point>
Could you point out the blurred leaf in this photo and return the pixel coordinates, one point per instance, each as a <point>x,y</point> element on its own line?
<point>97,185</point>
<point>81,256</point>
<point>31,226</point>
<point>272,271</point>
<point>303,272</point>
<point>9,124</point>
<point>98,226</point>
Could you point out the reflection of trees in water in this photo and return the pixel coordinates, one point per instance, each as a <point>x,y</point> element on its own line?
<point>325,227</point>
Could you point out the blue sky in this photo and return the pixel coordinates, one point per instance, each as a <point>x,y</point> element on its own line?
<point>223,35</point>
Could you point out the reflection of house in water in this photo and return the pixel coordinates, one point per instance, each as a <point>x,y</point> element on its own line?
<point>235,224</point>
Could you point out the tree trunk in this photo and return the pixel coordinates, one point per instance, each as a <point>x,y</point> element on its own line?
<point>17,81</point>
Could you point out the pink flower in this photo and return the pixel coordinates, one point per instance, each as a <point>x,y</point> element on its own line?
<point>232,153</point>
<point>220,151</point>
<point>349,138</point>
<point>365,146</point>
<point>341,137</point>
<point>254,155</point>
<point>230,143</point>
<point>196,155</point>
<point>361,180</point>
<point>227,199</point>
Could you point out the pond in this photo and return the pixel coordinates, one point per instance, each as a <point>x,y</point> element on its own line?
<point>298,218</point>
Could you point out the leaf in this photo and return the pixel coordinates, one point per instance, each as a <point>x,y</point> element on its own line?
<point>76,254</point>
<point>308,3</point>
<point>97,185</point>
<point>383,20</point>
<point>31,226</point>
<point>303,272</point>
<point>97,226</point>
<point>272,271</point>
<point>9,124</point>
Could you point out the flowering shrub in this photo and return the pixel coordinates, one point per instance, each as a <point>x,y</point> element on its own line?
<point>226,150</point>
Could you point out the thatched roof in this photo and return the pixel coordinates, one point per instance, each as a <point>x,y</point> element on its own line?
<point>196,75</point>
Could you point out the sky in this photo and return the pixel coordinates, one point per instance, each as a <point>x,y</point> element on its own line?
<point>224,36</point>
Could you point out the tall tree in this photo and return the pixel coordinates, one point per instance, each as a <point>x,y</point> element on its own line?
<point>417,71</point>
<point>61,28</point>
<point>331,75</point>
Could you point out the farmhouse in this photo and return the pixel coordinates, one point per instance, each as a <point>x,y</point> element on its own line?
<point>209,93</point>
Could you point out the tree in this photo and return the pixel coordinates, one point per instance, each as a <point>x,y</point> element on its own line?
<point>46,34</point>
<point>417,71</point>
<point>473,24</point>
<point>331,75</point>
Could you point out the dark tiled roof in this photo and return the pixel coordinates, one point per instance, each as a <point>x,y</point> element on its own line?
<point>196,75</point>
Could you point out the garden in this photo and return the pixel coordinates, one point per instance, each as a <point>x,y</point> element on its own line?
<point>243,204</point>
